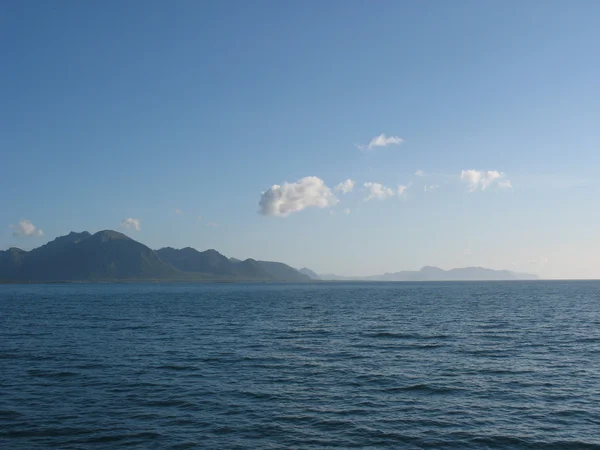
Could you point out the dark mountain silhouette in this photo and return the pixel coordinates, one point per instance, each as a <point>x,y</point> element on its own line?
<point>11,262</point>
<point>106,255</point>
<point>191,260</point>
<point>252,269</point>
<point>112,256</point>
<point>214,263</point>
<point>280,271</point>
<point>430,273</point>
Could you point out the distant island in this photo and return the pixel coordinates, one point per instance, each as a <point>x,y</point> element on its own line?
<point>430,273</point>
<point>110,256</point>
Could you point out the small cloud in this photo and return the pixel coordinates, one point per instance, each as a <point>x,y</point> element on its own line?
<point>419,173</point>
<point>345,187</point>
<point>430,187</point>
<point>479,179</point>
<point>505,184</point>
<point>178,211</point>
<point>347,211</point>
<point>131,223</point>
<point>381,141</point>
<point>377,191</point>
<point>402,189</point>
<point>294,197</point>
<point>468,251</point>
<point>26,228</point>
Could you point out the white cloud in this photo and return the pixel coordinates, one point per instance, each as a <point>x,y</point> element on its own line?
<point>402,189</point>
<point>419,173</point>
<point>505,184</point>
<point>293,197</point>
<point>131,223</point>
<point>178,211</point>
<point>377,191</point>
<point>26,228</point>
<point>347,211</point>
<point>479,179</point>
<point>345,187</point>
<point>430,187</point>
<point>381,141</point>
<point>468,251</point>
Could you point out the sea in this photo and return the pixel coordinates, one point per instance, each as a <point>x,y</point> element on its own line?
<point>449,365</point>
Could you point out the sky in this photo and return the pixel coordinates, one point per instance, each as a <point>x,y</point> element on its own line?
<point>350,137</point>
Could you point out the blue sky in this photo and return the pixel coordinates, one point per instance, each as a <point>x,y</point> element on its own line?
<point>181,115</point>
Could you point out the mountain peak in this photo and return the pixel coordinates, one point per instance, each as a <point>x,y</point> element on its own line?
<point>188,250</point>
<point>110,235</point>
<point>106,255</point>
<point>76,234</point>
<point>72,237</point>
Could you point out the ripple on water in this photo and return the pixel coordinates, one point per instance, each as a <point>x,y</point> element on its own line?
<point>399,365</point>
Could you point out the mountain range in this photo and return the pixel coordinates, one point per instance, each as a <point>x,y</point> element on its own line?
<point>112,256</point>
<point>430,273</point>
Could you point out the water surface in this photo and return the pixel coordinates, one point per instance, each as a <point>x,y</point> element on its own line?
<point>348,365</point>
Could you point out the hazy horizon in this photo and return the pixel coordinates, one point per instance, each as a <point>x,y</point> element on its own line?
<point>354,138</point>
<point>324,274</point>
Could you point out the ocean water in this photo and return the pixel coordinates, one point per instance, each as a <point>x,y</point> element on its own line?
<point>348,365</point>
